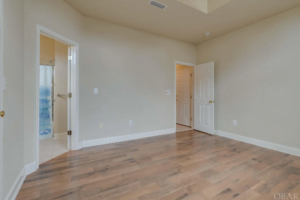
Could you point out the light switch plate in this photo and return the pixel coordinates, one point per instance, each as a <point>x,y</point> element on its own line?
<point>168,92</point>
<point>95,90</point>
<point>234,122</point>
<point>130,122</point>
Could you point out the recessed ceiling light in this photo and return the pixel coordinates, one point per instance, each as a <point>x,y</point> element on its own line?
<point>207,34</point>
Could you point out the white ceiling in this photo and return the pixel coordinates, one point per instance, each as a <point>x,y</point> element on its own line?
<point>179,21</point>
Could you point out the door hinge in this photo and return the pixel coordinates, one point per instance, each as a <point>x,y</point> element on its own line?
<point>70,95</point>
<point>69,132</point>
<point>191,97</point>
<point>191,75</point>
<point>70,57</point>
<point>191,119</point>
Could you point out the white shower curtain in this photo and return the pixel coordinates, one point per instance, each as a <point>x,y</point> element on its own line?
<point>45,111</point>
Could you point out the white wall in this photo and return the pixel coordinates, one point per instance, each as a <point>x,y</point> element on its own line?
<point>132,70</point>
<point>13,122</point>
<point>257,79</point>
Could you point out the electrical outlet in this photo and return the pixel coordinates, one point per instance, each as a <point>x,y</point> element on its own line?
<point>100,125</point>
<point>168,92</point>
<point>234,122</point>
<point>130,122</point>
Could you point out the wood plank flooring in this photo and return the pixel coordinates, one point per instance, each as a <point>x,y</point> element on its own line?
<point>189,165</point>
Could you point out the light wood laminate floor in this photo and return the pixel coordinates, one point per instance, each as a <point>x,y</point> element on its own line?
<point>188,165</point>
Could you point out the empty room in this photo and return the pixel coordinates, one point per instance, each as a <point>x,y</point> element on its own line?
<point>149,99</point>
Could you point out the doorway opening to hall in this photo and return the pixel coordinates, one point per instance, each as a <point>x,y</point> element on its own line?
<point>184,98</point>
<point>54,100</point>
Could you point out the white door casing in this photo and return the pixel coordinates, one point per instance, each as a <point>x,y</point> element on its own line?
<point>1,95</point>
<point>183,93</point>
<point>73,83</point>
<point>204,97</point>
<point>69,92</point>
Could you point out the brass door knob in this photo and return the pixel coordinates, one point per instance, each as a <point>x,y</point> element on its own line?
<point>2,114</point>
<point>211,102</point>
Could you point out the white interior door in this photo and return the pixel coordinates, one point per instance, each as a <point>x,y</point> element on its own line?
<point>183,93</point>
<point>204,98</point>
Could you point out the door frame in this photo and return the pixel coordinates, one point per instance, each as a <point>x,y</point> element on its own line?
<point>74,143</point>
<point>192,92</point>
<point>1,97</point>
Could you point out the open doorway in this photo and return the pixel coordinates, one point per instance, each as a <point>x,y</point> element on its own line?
<point>194,86</point>
<point>184,97</point>
<point>53,98</point>
<point>72,95</point>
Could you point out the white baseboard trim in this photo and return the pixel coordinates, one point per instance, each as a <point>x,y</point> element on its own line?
<point>261,143</point>
<point>109,140</point>
<point>60,135</point>
<point>15,188</point>
<point>30,168</point>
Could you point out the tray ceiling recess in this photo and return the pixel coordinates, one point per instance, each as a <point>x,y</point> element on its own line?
<point>206,6</point>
